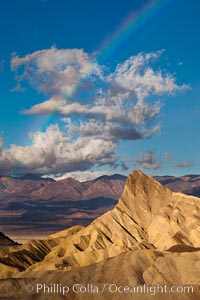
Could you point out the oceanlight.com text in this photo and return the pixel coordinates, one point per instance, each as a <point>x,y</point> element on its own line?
<point>112,288</point>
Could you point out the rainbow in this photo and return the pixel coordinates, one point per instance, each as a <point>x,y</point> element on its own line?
<point>127,29</point>
<point>131,25</point>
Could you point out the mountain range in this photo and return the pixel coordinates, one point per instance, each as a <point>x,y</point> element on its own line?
<point>151,237</point>
<point>35,206</point>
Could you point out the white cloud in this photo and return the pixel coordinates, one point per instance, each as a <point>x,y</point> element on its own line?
<point>120,109</point>
<point>55,72</point>
<point>80,176</point>
<point>55,152</point>
<point>137,77</point>
<point>99,108</point>
<point>49,106</point>
<point>148,161</point>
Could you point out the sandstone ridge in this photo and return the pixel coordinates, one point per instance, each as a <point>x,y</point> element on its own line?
<point>151,236</point>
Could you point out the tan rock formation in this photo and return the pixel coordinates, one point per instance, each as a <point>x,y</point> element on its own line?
<point>152,237</point>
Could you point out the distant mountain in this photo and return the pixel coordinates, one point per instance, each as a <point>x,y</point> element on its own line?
<point>150,238</point>
<point>109,177</point>
<point>187,184</point>
<point>44,206</point>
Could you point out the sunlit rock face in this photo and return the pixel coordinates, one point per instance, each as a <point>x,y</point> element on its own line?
<point>152,236</point>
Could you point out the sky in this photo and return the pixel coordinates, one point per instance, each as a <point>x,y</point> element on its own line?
<point>99,87</point>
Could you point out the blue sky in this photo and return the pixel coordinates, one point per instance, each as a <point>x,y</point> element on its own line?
<point>161,134</point>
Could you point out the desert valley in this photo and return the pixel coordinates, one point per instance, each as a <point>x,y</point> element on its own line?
<point>150,237</point>
<point>32,206</point>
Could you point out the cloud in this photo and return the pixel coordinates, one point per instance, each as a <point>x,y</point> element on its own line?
<point>148,161</point>
<point>120,104</point>
<point>55,72</point>
<point>136,76</point>
<point>49,106</point>
<point>99,108</point>
<point>183,164</point>
<point>54,152</point>
<point>80,176</point>
<point>105,130</point>
<point>59,73</point>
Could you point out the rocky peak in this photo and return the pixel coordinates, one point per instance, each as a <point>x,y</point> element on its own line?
<point>142,197</point>
<point>152,235</point>
<point>6,241</point>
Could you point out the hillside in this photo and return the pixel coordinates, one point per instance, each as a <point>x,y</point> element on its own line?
<point>41,206</point>
<point>152,236</point>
